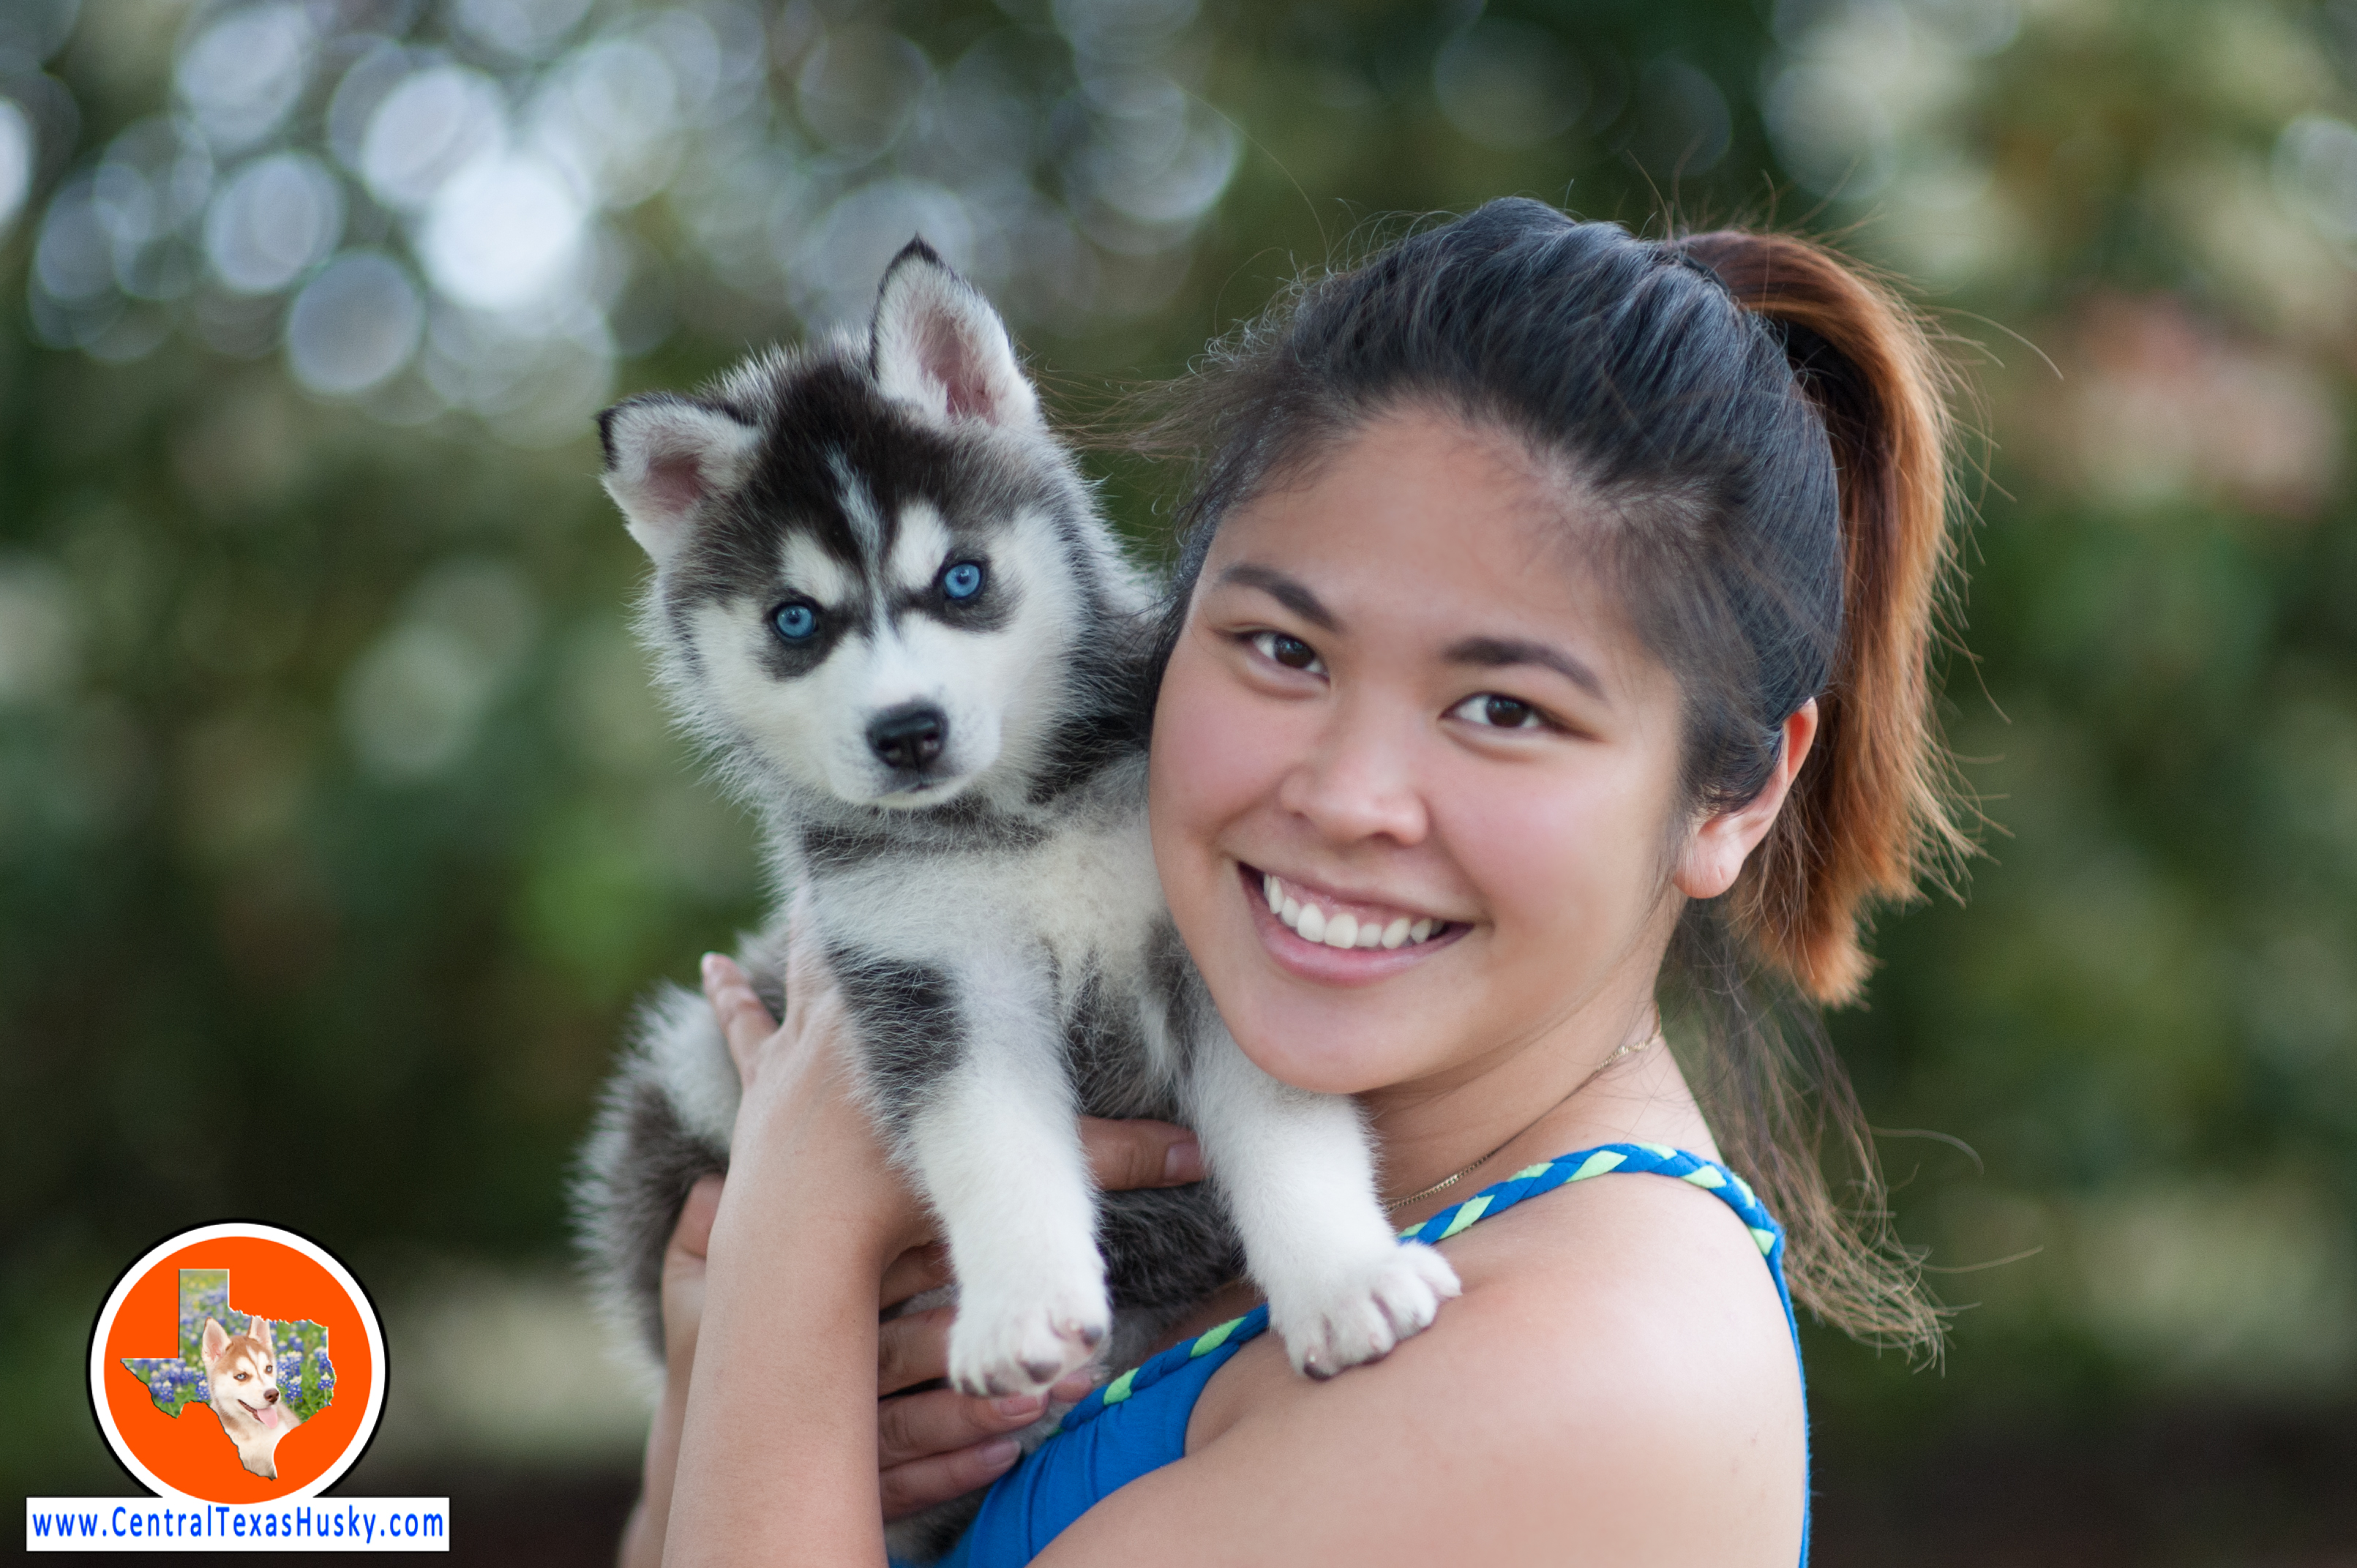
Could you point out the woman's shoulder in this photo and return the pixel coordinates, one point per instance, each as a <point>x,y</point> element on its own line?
<point>1646,1299</point>
<point>1618,1372</point>
<point>1655,1282</point>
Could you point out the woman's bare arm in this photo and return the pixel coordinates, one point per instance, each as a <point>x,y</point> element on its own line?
<point>683,1312</point>
<point>778,1442</point>
<point>931,1445</point>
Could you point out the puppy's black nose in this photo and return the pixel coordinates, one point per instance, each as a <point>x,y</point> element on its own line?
<point>270,1397</point>
<point>908,736</point>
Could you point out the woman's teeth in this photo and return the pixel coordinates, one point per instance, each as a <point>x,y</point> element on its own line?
<point>1312,924</point>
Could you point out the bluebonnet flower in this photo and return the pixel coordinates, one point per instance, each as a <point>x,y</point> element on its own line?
<point>173,1385</point>
<point>322,1381</point>
<point>204,1293</point>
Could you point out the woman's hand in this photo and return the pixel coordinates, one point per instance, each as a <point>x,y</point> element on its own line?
<point>798,1094</point>
<point>938,1444</point>
<point>933,1445</point>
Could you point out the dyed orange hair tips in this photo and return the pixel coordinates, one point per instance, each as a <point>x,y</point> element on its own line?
<point>1868,815</point>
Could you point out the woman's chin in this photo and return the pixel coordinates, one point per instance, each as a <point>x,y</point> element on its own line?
<point>1325,1045</point>
<point>1315,1070</point>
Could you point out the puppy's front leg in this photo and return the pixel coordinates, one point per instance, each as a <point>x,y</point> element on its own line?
<point>996,1144</point>
<point>1299,1178</point>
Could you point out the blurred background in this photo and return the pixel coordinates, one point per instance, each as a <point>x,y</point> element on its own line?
<point>339,830</point>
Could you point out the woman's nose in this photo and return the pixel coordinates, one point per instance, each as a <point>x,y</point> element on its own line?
<point>1358,783</point>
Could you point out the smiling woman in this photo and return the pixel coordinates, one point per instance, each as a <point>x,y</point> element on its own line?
<point>1706,473</point>
<point>1417,731</point>
<point>1548,638</point>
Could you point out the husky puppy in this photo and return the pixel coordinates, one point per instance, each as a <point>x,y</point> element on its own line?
<point>241,1373</point>
<point>884,600</point>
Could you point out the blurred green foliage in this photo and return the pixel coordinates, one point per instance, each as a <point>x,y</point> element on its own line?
<point>338,829</point>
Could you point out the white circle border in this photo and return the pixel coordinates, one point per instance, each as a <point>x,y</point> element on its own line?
<point>238,1230</point>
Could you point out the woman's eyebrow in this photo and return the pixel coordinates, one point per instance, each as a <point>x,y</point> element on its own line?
<point>1292,593</point>
<point>1496,652</point>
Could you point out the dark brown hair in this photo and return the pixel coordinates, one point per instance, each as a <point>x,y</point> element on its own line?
<point>1763,426</point>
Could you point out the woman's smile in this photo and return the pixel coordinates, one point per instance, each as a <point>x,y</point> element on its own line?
<point>1339,939</point>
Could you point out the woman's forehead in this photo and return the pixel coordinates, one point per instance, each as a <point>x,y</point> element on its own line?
<point>1425,524</point>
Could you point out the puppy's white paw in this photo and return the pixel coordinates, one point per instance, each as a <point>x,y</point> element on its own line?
<point>1364,1311</point>
<point>1020,1342</point>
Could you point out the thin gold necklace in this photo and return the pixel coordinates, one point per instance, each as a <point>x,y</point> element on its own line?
<point>1628,1049</point>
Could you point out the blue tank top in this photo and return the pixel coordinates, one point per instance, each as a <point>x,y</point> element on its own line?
<point>1138,1423</point>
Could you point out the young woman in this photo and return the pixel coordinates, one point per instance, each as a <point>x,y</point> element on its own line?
<point>1563,596</point>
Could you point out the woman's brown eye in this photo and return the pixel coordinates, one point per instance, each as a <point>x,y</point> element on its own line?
<point>1505,712</point>
<point>1289,651</point>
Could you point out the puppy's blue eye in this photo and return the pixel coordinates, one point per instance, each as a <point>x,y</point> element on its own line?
<point>795,622</point>
<point>961,581</point>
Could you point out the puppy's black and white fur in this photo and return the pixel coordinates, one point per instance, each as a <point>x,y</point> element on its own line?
<point>884,601</point>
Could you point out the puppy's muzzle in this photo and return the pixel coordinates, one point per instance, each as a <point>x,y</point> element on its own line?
<point>908,737</point>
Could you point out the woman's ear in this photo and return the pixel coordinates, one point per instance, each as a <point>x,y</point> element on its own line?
<point>1714,856</point>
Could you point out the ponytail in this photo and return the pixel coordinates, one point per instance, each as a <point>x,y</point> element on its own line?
<point>1866,813</point>
<point>1866,816</point>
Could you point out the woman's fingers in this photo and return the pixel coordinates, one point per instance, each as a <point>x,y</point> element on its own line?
<point>1137,1153</point>
<point>745,1023</point>
<point>682,1276</point>
<point>913,1273</point>
<point>940,1444</point>
<point>692,1237</point>
<point>940,1420</point>
<point>912,1349</point>
<point>921,1483</point>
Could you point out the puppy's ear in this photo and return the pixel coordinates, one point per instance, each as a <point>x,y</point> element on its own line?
<point>259,1329</point>
<point>212,1342</point>
<point>664,457</point>
<point>937,343</point>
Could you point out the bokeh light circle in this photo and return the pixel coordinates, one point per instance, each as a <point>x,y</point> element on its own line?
<point>277,218</point>
<point>15,161</point>
<point>501,230</point>
<point>354,325</point>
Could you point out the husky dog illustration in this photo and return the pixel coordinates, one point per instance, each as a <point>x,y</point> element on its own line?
<point>884,600</point>
<point>242,1371</point>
